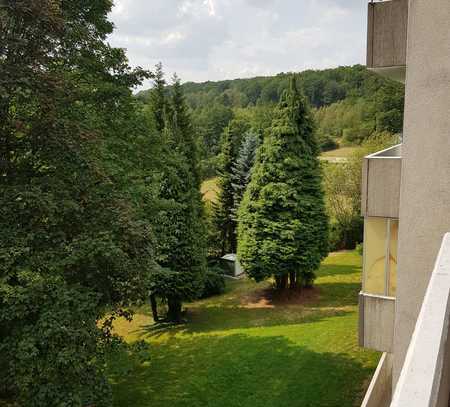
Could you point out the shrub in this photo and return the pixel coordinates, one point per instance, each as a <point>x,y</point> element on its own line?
<point>326,143</point>
<point>360,248</point>
<point>214,283</point>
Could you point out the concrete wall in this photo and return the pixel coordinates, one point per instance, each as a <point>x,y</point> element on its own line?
<point>376,321</point>
<point>380,194</point>
<point>425,185</point>
<point>386,34</point>
<point>379,392</point>
<point>425,379</point>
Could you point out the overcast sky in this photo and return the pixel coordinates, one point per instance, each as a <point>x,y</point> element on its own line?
<point>225,39</point>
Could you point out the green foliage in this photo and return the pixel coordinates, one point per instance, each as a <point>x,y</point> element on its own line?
<point>349,104</point>
<point>74,241</point>
<point>282,221</point>
<point>59,359</point>
<point>157,97</point>
<point>342,184</point>
<point>179,224</point>
<point>241,169</point>
<point>223,210</point>
<point>214,283</point>
<point>360,249</point>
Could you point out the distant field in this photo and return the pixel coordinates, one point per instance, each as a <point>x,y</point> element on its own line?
<point>210,189</point>
<point>342,152</point>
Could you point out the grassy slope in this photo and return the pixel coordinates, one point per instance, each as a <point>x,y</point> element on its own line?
<point>342,152</point>
<point>242,349</point>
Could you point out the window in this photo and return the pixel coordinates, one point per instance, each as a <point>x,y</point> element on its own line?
<point>380,256</point>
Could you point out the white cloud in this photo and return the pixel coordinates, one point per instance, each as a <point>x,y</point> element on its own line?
<point>211,7</point>
<point>216,39</point>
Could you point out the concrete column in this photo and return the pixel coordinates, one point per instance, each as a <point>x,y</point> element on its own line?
<point>425,183</point>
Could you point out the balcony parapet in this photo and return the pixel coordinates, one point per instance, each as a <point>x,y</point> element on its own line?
<point>387,38</point>
<point>425,377</point>
<point>380,195</point>
<point>376,321</point>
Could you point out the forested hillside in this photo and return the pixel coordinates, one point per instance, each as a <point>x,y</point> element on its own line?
<point>349,105</point>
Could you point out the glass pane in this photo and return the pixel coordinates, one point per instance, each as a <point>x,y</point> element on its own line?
<point>375,233</point>
<point>393,257</point>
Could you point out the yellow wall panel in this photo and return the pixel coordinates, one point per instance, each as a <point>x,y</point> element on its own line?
<point>375,255</point>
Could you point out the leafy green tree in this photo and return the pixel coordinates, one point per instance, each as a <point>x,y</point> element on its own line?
<point>342,184</point>
<point>241,169</point>
<point>180,223</point>
<point>283,226</point>
<point>73,243</point>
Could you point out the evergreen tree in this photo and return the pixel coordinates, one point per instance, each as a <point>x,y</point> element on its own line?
<point>180,224</point>
<point>283,227</point>
<point>241,169</point>
<point>223,210</point>
<point>158,97</point>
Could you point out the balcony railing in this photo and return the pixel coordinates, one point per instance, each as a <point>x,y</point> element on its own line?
<point>425,378</point>
<point>387,37</point>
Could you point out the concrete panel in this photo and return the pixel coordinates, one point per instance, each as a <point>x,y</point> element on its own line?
<point>425,183</point>
<point>381,184</point>
<point>386,34</point>
<point>383,189</point>
<point>379,392</point>
<point>376,321</point>
<point>424,379</point>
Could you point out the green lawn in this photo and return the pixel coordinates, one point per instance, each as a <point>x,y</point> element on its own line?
<point>246,348</point>
<point>341,152</point>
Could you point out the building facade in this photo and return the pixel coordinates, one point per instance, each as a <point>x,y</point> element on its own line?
<point>406,207</point>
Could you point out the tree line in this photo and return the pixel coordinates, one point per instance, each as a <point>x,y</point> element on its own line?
<point>349,104</point>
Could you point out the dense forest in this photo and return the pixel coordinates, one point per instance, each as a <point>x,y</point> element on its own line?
<point>350,104</point>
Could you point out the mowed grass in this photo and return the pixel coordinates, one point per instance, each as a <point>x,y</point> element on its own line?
<point>341,153</point>
<point>210,189</point>
<point>246,348</point>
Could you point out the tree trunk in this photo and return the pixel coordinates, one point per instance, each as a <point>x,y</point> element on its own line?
<point>174,310</point>
<point>154,306</point>
<point>281,282</point>
<point>293,280</point>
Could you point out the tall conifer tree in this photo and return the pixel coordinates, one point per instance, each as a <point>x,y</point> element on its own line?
<point>241,169</point>
<point>158,97</point>
<point>180,226</point>
<point>283,227</point>
<point>223,210</point>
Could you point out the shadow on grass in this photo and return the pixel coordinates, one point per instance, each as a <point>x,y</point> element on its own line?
<point>211,319</point>
<point>333,270</point>
<point>329,300</point>
<point>237,370</point>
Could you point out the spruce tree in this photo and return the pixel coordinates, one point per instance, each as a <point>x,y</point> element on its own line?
<point>241,169</point>
<point>180,225</point>
<point>223,210</point>
<point>158,97</point>
<point>283,227</point>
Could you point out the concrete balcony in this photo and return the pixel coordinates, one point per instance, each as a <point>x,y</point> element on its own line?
<point>380,196</point>
<point>386,38</point>
<point>425,377</point>
<point>376,321</point>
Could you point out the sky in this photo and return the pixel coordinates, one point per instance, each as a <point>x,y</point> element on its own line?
<point>204,40</point>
